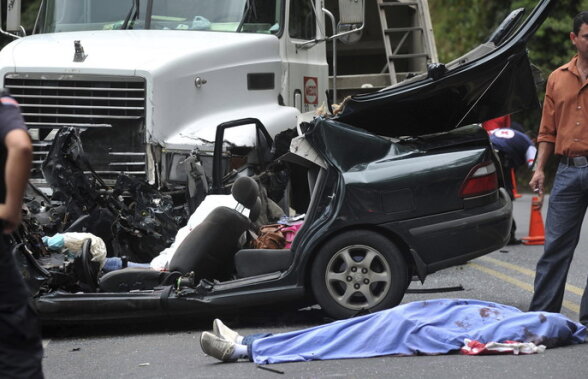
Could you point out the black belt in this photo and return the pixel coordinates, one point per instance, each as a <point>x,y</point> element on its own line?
<point>581,161</point>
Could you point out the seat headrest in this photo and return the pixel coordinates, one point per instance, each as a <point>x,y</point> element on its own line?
<point>245,191</point>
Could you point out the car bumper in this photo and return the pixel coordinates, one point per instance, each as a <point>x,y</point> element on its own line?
<point>456,237</point>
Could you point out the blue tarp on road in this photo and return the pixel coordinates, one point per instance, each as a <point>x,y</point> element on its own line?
<point>425,327</point>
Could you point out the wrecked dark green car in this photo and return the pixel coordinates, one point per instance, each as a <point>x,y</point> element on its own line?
<point>402,183</point>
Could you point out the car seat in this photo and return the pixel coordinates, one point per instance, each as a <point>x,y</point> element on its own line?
<point>207,250</point>
<point>254,262</point>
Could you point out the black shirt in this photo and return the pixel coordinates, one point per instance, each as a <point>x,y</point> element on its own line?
<point>10,119</point>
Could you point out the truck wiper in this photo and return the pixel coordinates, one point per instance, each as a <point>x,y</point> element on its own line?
<point>131,17</point>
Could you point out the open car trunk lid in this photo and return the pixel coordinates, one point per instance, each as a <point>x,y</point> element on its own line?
<point>460,93</point>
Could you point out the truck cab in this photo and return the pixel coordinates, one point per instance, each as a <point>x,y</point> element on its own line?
<point>147,82</point>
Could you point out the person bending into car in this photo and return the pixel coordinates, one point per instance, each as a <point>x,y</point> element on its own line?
<point>435,326</point>
<point>515,149</point>
<point>564,131</point>
<point>21,351</point>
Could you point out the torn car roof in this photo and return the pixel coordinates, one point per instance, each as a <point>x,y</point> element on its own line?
<point>496,82</point>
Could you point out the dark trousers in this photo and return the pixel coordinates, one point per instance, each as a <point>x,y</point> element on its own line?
<point>21,350</point>
<point>567,206</point>
<point>508,184</point>
<point>509,187</point>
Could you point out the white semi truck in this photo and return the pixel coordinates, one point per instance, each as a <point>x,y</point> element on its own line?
<point>148,81</point>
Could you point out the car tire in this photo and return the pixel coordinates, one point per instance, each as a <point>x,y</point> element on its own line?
<point>358,272</point>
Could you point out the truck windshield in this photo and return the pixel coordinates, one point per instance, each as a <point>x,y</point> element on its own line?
<point>253,16</point>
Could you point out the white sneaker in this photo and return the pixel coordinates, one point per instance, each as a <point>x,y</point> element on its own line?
<point>217,347</point>
<point>221,330</point>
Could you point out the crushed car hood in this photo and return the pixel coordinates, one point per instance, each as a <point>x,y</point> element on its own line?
<point>498,80</point>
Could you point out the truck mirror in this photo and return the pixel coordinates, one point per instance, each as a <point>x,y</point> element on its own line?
<point>13,16</point>
<point>350,26</point>
<point>351,20</point>
<point>351,12</point>
<point>349,33</point>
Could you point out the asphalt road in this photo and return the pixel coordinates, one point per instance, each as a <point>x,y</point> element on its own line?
<point>171,349</point>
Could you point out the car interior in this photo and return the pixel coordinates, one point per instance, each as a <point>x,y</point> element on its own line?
<point>214,250</point>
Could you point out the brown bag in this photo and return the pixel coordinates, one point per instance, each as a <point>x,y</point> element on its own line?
<point>270,237</point>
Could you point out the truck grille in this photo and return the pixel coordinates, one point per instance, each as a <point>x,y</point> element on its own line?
<point>110,111</point>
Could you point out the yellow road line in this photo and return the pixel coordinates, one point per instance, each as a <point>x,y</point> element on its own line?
<point>499,275</point>
<point>498,262</point>
<point>526,286</point>
<point>573,289</point>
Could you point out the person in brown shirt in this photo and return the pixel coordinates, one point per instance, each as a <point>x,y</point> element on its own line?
<point>564,131</point>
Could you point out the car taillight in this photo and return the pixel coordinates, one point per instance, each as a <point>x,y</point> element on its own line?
<point>481,180</point>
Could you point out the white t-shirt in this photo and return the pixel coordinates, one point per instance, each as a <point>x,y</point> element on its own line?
<point>209,203</point>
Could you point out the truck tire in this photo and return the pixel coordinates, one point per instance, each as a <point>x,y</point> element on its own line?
<point>358,272</point>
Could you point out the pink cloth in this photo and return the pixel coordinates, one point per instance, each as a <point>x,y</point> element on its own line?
<point>289,232</point>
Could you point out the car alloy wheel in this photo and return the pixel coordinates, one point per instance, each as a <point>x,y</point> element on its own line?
<point>358,277</point>
<point>358,271</point>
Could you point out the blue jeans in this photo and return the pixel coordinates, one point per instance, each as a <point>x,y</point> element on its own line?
<point>567,206</point>
<point>115,263</point>
<point>248,340</point>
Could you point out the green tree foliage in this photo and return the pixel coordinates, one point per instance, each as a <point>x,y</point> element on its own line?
<point>28,16</point>
<point>460,25</point>
<point>29,13</point>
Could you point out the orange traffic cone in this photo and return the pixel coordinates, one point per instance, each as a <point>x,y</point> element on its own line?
<point>515,192</point>
<point>536,231</point>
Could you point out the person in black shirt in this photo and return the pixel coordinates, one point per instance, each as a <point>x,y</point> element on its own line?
<point>21,349</point>
<point>515,149</point>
